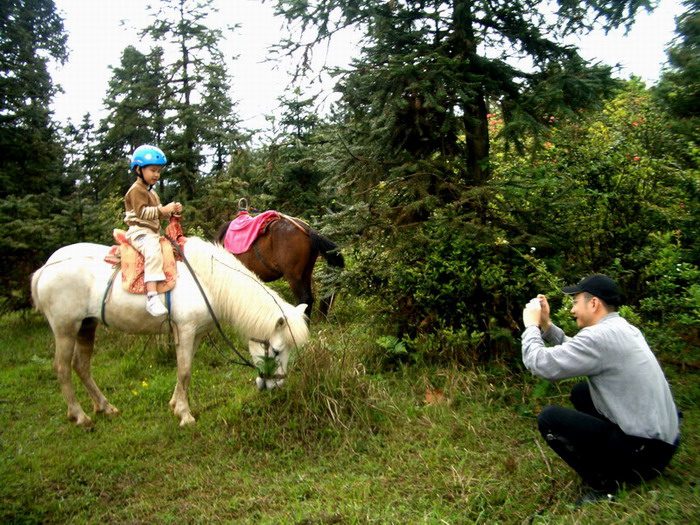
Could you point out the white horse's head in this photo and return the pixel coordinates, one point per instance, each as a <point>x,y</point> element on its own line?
<point>271,356</point>
<point>272,326</point>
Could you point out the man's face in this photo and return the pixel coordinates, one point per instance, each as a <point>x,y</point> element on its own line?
<point>583,309</point>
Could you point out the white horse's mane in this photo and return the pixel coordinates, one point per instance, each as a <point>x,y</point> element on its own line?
<point>239,297</point>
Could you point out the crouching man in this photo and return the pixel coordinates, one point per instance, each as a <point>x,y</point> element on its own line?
<point>624,427</point>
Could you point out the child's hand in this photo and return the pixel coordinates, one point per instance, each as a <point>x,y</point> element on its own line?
<point>174,208</point>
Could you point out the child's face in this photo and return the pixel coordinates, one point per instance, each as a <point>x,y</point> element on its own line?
<point>151,173</point>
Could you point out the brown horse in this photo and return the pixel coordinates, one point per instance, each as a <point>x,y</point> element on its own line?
<point>288,248</point>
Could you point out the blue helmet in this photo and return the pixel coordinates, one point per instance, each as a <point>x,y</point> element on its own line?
<point>146,155</point>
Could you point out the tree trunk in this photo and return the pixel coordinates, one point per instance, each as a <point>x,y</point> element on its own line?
<point>475,111</point>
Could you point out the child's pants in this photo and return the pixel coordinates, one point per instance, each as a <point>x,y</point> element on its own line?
<point>147,243</point>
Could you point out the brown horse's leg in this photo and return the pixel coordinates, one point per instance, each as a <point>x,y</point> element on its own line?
<point>325,304</point>
<point>82,357</point>
<point>300,283</point>
<point>65,344</point>
<point>302,293</point>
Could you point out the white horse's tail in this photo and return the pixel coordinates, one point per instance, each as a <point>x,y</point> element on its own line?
<point>34,285</point>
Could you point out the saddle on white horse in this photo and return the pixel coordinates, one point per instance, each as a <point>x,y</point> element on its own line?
<point>132,262</point>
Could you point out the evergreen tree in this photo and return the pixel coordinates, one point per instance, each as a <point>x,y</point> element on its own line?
<point>416,102</point>
<point>198,80</point>
<point>83,158</point>
<point>219,121</point>
<point>32,181</point>
<point>292,174</point>
<point>31,34</point>
<point>137,100</point>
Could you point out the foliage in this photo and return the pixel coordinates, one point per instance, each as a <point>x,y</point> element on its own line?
<point>585,201</point>
<point>454,289</point>
<point>414,105</point>
<point>671,306</point>
<point>590,196</point>
<point>679,87</point>
<point>33,185</point>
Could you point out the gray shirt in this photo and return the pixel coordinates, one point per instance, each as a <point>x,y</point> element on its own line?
<point>626,382</point>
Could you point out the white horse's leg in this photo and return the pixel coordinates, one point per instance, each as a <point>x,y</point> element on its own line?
<point>82,357</point>
<point>179,402</point>
<point>62,366</point>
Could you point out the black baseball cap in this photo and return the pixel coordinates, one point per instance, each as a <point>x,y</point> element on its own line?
<point>598,285</point>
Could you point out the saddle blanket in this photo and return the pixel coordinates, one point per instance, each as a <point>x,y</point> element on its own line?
<point>244,229</point>
<point>133,263</point>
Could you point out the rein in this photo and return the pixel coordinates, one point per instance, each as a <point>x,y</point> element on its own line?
<point>261,258</point>
<point>267,346</point>
<point>243,360</point>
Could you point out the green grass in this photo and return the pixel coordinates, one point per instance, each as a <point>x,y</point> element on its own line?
<point>343,443</point>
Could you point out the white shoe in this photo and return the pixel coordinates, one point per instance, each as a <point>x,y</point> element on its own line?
<point>155,307</point>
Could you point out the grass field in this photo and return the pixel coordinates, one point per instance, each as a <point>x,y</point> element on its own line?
<point>342,443</point>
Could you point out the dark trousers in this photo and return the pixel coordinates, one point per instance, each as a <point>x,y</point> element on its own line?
<point>596,448</point>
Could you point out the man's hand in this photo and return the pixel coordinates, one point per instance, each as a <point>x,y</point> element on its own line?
<point>531,317</point>
<point>537,314</point>
<point>545,321</point>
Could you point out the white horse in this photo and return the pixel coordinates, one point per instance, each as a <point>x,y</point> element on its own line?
<point>72,290</point>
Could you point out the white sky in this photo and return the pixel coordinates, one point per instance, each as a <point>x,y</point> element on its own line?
<point>96,40</point>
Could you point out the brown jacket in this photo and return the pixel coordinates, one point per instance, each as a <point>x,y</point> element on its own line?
<point>143,207</point>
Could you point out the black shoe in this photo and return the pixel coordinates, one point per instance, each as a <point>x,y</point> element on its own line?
<point>594,496</point>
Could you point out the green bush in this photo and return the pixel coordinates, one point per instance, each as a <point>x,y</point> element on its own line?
<point>671,306</point>
<point>452,291</point>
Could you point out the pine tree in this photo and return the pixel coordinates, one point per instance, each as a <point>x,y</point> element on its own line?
<point>416,102</point>
<point>137,102</point>
<point>198,80</point>
<point>33,185</point>
<point>292,174</point>
<point>31,34</point>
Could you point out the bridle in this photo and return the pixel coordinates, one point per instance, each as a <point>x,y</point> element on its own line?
<point>267,346</point>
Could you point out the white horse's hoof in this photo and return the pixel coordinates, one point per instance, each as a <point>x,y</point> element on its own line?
<point>81,420</point>
<point>109,411</point>
<point>186,421</point>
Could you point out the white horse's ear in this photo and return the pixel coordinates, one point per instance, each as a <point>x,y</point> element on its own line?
<point>279,323</point>
<point>301,308</point>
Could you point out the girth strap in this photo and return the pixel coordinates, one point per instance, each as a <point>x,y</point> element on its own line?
<point>261,258</point>
<point>107,293</point>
